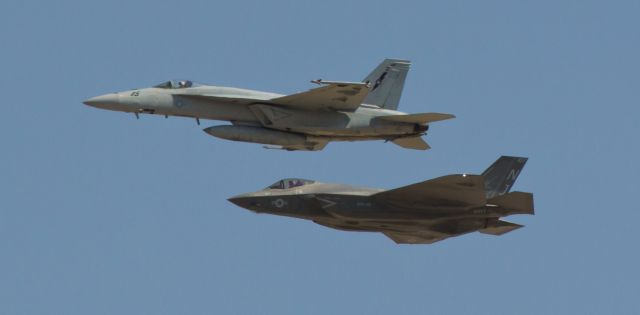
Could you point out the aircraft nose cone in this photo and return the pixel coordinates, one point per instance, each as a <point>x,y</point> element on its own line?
<point>103,101</point>
<point>248,201</point>
<point>240,201</point>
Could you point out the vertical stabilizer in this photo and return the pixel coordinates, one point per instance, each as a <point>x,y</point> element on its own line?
<point>501,175</point>
<point>386,83</point>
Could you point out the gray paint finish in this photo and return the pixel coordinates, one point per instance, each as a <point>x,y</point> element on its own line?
<point>336,111</point>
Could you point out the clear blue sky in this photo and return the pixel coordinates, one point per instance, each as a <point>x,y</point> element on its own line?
<point>103,214</point>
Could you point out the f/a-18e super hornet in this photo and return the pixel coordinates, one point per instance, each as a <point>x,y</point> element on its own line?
<point>336,111</point>
<point>421,213</point>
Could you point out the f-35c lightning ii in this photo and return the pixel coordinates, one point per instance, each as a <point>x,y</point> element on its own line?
<point>336,111</point>
<point>421,213</point>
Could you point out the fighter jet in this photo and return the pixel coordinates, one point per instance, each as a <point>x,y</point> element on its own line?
<point>336,111</point>
<point>421,213</point>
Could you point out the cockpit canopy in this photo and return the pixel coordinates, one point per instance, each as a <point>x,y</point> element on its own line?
<point>290,183</point>
<point>175,84</point>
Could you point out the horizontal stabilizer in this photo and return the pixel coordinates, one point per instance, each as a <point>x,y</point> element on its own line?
<point>499,227</point>
<point>424,118</point>
<point>416,143</point>
<point>450,190</point>
<point>519,202</point>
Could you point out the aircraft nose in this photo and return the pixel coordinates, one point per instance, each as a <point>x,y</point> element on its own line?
<point>248,201</point>
<point>103,101</point>
<point>240,201</point>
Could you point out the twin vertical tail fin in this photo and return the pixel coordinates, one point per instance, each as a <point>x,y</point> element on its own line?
<point>386,83</point>
<point>500,176</point>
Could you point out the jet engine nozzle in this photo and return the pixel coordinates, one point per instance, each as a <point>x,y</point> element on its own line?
<point>421,128</point>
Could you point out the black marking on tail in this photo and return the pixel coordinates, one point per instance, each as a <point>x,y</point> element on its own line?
<point>379,80</point>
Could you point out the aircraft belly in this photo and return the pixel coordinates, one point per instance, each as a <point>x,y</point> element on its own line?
<point>355,128</point>
<point>390,214</point>
<point>435,229</point>
<point>326,123</point>
<point>357,131</point>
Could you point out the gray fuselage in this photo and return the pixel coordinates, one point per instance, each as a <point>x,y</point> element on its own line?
<point>249,107</point>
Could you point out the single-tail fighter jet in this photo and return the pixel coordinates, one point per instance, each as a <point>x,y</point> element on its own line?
<point>421,213</point>
<point>336,111</point>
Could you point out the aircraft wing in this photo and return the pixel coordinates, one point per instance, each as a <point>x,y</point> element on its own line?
<point>422,233</point>
<point>451,228</point>
<point>227,95</point>
<point>394,232</point>
<point>450,190</point>
<point>424,118</point>
<point>311,146</point>
<point>219,98</point>
<point>346,96</point>
<point>416,143</point>
<point>499,227</point>
<point>414,237</point>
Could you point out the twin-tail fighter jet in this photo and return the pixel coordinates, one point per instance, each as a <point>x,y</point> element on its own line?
<point>421,213</point>
<point>336,111</point>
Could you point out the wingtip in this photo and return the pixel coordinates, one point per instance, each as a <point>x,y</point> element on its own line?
<point>447,116</point>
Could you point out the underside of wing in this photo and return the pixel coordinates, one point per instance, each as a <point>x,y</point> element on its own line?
<point>411,232</point>
<point>450,190</point>
<point>499,227</point>
<point>414,238</point>
<point>424,118</point>
<point>334,96</point>
<point>416,143</point>
<point>451,228</point>
<point>309,146</point>
<point>341,225</point>
<point>395,232</point>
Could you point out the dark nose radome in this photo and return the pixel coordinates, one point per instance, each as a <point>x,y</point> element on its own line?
<point>239,201</point>
<point>103,101</point>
